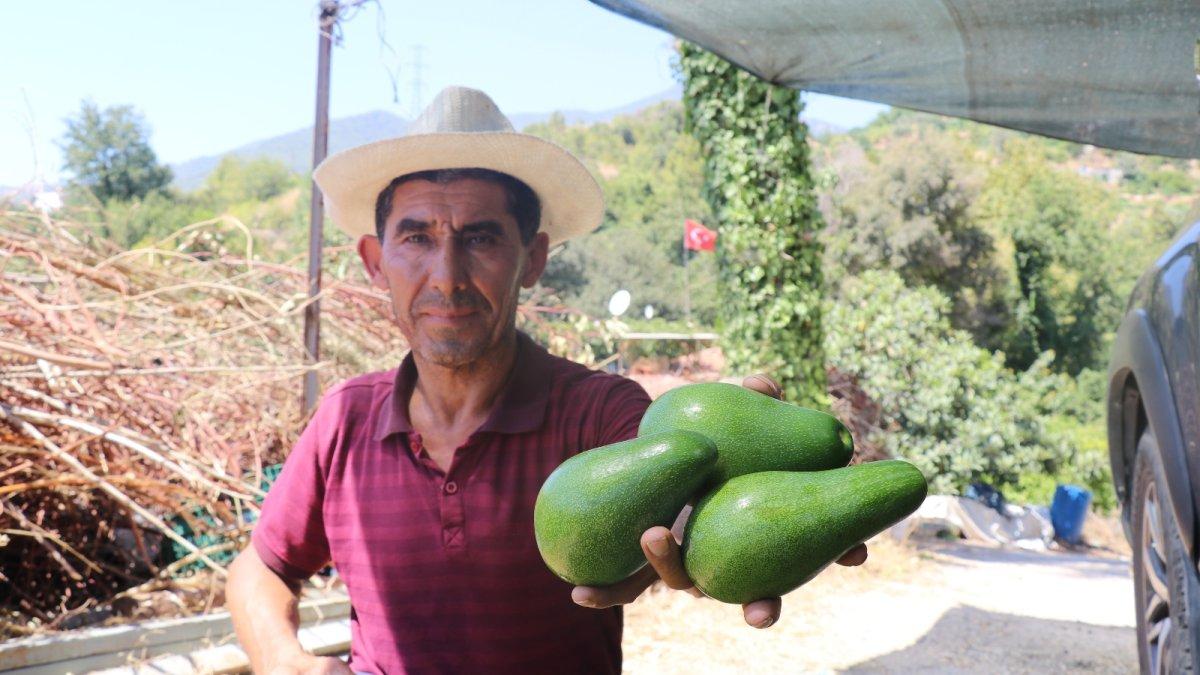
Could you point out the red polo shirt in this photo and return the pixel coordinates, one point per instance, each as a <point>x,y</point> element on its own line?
<point>442,569</point>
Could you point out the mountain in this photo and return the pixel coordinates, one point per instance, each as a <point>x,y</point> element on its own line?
<point>819,128</point>
<point>522,120</point>
<point>295,148</point>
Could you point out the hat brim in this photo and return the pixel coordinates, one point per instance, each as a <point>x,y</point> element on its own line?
<point>571,201</point>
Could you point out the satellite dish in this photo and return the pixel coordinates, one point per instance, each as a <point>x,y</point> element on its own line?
<point>648,312</point>
<point>619,302</point>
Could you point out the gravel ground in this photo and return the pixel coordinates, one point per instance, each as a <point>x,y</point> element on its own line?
<point>942,608</point>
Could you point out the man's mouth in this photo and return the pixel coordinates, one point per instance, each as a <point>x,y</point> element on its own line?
<point>449,315</point>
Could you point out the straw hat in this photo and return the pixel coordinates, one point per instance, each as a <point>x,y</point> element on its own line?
<point>462,128</point>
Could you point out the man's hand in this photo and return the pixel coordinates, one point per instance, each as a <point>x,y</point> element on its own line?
<point>264,610</point>
<point>303,663</point>
<point>661,547</point>
<point>311,665</point>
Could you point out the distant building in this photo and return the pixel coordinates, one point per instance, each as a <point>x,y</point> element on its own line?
<point>1098,165</point>
<point>1111,175</point>
<point>48,201</point>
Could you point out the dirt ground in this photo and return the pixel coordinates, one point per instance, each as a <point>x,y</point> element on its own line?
<point>942,607</point>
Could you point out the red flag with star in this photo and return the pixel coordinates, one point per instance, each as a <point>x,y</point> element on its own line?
<point>697,237</point>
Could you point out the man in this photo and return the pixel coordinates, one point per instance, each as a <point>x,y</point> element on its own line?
<point>418,483</point>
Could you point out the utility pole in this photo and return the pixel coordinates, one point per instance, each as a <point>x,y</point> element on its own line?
<point>312,312</point>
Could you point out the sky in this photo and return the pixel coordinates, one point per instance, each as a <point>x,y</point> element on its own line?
<point>210,76</point>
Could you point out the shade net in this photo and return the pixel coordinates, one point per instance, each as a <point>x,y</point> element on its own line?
<point>1120,75</point>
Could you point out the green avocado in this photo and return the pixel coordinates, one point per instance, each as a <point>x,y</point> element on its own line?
<point>764,534</point>
<point>592,510</point>
<point>753,431</point>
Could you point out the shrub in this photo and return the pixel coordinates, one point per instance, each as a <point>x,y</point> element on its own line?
<point>949,406</point>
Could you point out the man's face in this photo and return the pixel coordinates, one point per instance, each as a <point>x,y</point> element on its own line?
<point>453,262</point>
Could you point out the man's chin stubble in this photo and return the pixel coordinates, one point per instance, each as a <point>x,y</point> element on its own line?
<point>451,355</point>
<point>451,350</point>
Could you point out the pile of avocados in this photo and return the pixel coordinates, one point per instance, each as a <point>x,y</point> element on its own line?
<point>777,501</point>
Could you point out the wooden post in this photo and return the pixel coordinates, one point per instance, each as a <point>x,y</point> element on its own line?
<point>312,313</point>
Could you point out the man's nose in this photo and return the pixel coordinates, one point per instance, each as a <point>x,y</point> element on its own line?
<point>448,271</point>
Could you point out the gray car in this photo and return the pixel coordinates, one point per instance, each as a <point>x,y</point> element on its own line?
<point>1154,446</point>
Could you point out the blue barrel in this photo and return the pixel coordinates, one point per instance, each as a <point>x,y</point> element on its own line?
<point>1068,512</point>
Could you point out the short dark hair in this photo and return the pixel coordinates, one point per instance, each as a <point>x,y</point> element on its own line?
<point>523,204</point>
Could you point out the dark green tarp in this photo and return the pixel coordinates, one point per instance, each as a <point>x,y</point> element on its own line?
<point>1114,74</point>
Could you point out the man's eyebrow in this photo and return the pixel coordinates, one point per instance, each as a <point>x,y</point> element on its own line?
<point>411,225</point>
<point>491,227</point>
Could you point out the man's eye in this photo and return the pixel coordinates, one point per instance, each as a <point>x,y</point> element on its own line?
<point>416,239</point>
<point>480,239</point>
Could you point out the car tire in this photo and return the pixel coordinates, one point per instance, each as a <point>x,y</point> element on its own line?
<point>1165,584</point>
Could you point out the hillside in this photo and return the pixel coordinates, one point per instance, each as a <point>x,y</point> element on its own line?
<point>911,183</point>
<point>294,148</point>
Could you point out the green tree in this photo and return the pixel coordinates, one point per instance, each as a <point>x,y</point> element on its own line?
<point>108,153</point>
<point>756,172</point>
<point>236,180</point>
<point>1062,295</point>
<point>142,221</point>
<point>649,169</point>
<point>620,257</point>
<point>906,206</point>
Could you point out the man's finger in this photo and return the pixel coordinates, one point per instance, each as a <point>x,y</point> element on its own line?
<point>620,593</point>
<point>854,557</point>
<point>762,613</point>
<point>663,553</point>
<point>763,384</point>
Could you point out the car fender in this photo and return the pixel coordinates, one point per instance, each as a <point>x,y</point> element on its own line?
<point>1137,355</point>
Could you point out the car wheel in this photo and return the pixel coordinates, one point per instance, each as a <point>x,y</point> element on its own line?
<point>1164,583</point>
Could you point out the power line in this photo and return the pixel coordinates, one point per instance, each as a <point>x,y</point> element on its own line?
<point>387,54</point>
<point>29,121</point>
<point>418,88</point>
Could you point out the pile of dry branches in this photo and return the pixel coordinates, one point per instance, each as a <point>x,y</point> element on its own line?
<point>861,414</point>
<point>141,395</point>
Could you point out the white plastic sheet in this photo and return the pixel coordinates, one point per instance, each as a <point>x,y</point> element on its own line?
<point>1023,527</point>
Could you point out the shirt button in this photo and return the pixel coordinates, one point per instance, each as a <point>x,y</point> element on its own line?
<point>450,487</point>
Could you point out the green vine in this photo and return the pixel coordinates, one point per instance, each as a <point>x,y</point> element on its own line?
<point>756,172</point>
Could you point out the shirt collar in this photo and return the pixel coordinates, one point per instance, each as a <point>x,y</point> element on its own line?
<point>523,398</point>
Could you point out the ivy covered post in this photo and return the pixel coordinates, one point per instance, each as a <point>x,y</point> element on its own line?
<point>756,175</point>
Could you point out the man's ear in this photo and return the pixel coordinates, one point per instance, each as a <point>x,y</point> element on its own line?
<point>539,250</point>
<point>371,252</point>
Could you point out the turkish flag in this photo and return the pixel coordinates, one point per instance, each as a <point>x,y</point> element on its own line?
<point>697,237</point>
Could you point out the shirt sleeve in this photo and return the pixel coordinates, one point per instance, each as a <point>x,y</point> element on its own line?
<point>623,408</point>
<point>290,533</point>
